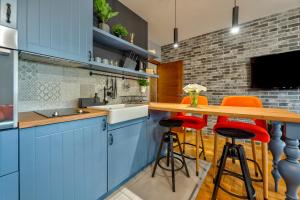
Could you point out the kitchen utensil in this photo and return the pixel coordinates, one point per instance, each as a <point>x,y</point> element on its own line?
<point>98,59</point>
<point>130,61</point>
<point>105,61</point>
<point>132,37</point>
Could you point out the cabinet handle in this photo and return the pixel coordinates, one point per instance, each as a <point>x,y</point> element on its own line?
<point>110,139</point>
<point>104,125</point>
<point>8,13</point>
<point>90,55</point>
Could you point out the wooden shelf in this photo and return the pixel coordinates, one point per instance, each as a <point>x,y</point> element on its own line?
<point>119,70</point>
<point>110,40</point>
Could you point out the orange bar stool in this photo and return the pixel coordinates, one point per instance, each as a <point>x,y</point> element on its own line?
<point>195,123</point>
<point>258,129</point>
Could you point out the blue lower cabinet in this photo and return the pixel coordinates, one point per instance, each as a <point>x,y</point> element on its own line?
<point>9,187</point>
<point>8,151</point>
<point>126,151</point>
<point>154,133</point>
<point>64,161</point>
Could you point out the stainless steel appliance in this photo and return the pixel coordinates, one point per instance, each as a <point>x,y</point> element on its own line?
<point>8,78</point>
<point>61,112</point>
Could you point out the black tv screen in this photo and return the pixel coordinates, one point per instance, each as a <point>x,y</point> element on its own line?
<point>277,71</point>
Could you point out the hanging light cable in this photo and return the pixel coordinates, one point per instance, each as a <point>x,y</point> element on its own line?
<point>235,19</point>
<point>175,44</point>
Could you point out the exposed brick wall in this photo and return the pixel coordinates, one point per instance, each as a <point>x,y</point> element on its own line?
<point>220,60</point>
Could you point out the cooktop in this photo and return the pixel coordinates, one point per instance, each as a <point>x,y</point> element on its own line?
<point>60,112</point>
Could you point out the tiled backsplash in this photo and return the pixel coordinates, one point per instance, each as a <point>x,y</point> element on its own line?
<point>43,86</point>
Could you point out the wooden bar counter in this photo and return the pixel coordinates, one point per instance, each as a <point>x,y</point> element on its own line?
<point>289,168</point>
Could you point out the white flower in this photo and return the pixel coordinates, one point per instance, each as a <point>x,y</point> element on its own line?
<point>194,88</point>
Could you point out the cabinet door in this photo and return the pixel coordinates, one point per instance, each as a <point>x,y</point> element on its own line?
<point>64,161</point>
<point>9,187</point>
<point>59,28</point>
<point>126,153</point>
<point>8,151</point>
<point>154,133</point>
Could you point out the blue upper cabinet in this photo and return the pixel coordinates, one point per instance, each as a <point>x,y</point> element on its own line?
<point>64,161</point>
<point>58,28</point>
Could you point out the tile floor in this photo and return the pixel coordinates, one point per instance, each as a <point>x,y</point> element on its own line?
<point>144,187</point>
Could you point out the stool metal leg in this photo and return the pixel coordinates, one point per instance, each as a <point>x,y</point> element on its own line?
<point>184,139</point>
<point>245,172</point>
<point>158,154</point>
<point>182,157</point>
<point>254,157</point>
<point>172,162</point>
<point>220,171</point>
<point>168,153</point>
<point>197,152</point>
<point>202,143</point>
<point>215,157</point>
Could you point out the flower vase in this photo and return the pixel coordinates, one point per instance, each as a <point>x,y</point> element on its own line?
<point>194,98</point>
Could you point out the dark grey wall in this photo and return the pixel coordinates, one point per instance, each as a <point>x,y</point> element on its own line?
<point>134,24</point>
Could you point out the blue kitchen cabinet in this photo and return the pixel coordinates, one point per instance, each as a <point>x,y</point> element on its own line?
<point>64,161</point>
<point>8,151</point>
<point>9,187</point>
<point>154,133</point>
<point>126,151</point>
<point>58,28</point>
<point>9,183</point>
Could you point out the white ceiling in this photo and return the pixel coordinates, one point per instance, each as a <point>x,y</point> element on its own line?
<point>196,17</point>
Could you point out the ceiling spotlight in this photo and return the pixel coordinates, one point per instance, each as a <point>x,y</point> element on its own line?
<point>235,19</point>
<point>175,43</point>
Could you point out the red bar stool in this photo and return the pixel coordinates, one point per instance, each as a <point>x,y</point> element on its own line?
<point>259,129</point>
<point>195,123</point>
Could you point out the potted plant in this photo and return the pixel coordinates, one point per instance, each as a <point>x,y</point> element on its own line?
<point>119,30</point>
<point>105,13</point>
<point>143,84</point>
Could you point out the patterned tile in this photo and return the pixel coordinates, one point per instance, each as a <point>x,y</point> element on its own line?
<point>49,91</point>
<point>27,71</point>
<point>27,90</point>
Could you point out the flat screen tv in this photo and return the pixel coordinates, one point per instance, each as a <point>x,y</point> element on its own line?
<point>277,71</point>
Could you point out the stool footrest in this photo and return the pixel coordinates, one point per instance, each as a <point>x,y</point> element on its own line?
<point>190,157</point>
<point>237,175</point>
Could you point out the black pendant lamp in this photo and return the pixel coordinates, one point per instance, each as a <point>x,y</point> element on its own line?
<point>175,44</point>
<point>235,19</point>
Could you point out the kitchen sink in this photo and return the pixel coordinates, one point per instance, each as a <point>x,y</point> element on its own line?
<point>123,112</point>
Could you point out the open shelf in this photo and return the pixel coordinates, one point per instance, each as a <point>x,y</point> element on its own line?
<point>119,70</point>
<point>118,43</point>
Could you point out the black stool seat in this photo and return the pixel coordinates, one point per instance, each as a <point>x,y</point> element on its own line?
<point>235,133</point>
<point>170,123</point>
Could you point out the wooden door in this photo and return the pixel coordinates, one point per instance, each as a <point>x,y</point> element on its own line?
<point>170,82</point>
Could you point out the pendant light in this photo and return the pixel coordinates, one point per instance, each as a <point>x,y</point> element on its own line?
<point>235,19</point>
<point>175,44</point>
